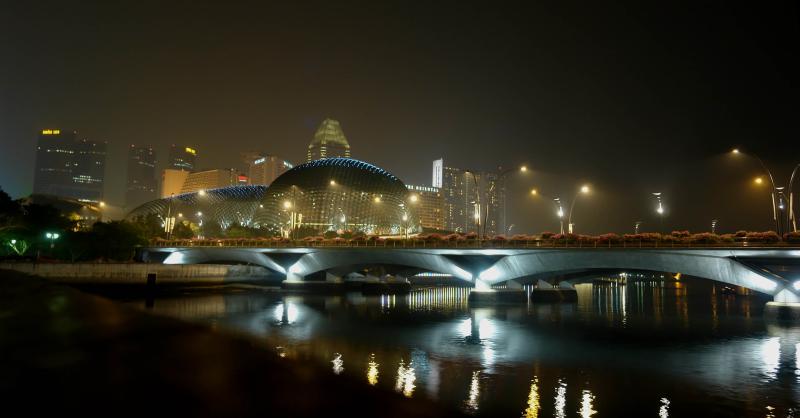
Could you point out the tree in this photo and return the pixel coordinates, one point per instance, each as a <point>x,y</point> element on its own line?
<point>182,230</point>
<point>211,229</point>
<point>236,230</point>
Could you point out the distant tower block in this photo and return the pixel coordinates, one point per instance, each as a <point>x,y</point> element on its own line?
<point>329,142</point>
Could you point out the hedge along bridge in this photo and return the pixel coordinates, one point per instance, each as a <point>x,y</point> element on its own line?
<point>772,269</point>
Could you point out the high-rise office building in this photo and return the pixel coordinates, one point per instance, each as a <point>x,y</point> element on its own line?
<point>428,204</point>
<point>55,152</point>
<point>182,158</point>
<point>88,171</point>
<point>263,168</point>
<point>141,185</point>
<point>329,142</point>
<point>470,199</point>
<point>68,167</point>
<point>172,181</point>
<point>210,179</point>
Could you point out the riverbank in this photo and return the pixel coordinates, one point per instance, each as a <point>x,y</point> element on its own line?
<point>68,352</point>
<point>138,273</point>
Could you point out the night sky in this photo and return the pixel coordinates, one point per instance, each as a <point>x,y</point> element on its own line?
<point>632,98</point>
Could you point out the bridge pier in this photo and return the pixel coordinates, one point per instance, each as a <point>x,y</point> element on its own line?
<point>785,307</point>
<point>545,292</point>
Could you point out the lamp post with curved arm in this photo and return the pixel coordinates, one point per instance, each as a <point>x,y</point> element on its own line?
<point>558,206</point>
<point>792,218</point>
<point>583,190</point>
<point>774,192</point>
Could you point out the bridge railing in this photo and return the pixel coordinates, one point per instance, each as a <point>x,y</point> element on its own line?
<point>465,244</point>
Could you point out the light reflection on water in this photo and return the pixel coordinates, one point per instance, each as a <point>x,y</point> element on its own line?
<point>674,345</point>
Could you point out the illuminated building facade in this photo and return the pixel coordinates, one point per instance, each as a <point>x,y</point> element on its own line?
<point>332,194</point>
<point>68,167</point>
<point>141,185</point>
<point>224,206</point>
<point>264,168</point>
<point>470,199</point>
<point>338,194</point>
<point>428,204</point>
<point>172,181</point>
<point>182,158</point>
<point>329,142</point>
<point>209,179</point>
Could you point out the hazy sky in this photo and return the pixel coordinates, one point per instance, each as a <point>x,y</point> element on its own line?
<point>633,98</point>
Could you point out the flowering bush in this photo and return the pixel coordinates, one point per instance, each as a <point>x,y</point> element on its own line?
<point>741,234</point>
<point>471,236</point>
<point>704,238</point>
<point>608,238</point>
<point>767,237</point>
<point>681,234</point>
<point>792,237</point>
<point>548,235</point>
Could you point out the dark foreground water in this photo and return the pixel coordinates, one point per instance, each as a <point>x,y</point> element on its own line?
<point>644,349</point>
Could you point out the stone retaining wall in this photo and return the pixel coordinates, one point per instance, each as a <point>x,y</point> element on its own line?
<point>136,273</point>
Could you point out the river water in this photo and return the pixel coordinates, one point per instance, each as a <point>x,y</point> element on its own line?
<point>647,348</point>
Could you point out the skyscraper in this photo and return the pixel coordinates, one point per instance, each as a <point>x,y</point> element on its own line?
<point>55,151</point>
<point>142,184</point>
<point>67,167</point>
<point>470,200</point>
<point>329,142</point>
<point>428,204</point>
<point>88,171</point>
<point>182,158</point>
<point>263,168</point>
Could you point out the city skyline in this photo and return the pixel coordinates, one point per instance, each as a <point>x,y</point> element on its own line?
<point>545,95</point>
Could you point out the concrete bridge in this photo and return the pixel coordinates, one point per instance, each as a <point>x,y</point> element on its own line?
<point>772,271</point>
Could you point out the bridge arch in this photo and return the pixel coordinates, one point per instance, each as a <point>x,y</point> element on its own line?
<point>694,263</point>
<point>316,261</point>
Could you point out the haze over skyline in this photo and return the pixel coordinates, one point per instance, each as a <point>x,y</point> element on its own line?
<point>630,98</point>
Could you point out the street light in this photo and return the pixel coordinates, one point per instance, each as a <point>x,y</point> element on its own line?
<point>52,236</point>
<point>714,223</point>
<point>659,210</point>
<point>560,213</point>
<point>774,196</point>
<point>583,190</point>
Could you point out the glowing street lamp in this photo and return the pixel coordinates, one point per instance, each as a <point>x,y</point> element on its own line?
<point>560,212</point>
<point>52,236</point>
<point>201,192</point>
<point>659,209</point>
<point>774,196</point>
<point>583,190</point>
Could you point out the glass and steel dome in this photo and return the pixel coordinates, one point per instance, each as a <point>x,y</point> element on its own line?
<point>338,194</point>
<point>226,206</point>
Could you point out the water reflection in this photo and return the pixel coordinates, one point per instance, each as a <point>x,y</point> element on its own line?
<point>663,411</point>
<point>587,404</point>
<point>771,356</point>
<point>646,337</point>
<point>405,379</point>
<point>561,399</point>
<point>372,370</point>
<point>474,392</point>
<point>532,411</point>
<point>338,364</point>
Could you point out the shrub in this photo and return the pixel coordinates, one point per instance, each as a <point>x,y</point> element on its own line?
<point>606,238</point>
<point>330,234</point>
<point>767,237</point>
<point>741,234</point>
<point>471,235</point>
<point>792,237</point>
<point>704,238</point>
<point>548,235</point>
<point>681,234</point>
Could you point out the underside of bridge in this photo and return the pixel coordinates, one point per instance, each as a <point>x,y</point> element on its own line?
<point>773,272</point>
